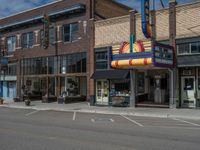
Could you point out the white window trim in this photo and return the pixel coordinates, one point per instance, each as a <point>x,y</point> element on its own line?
<point>190,50</point>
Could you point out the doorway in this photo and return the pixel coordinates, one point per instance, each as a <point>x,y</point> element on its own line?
<point>188,89</point>
<point>102,92</point>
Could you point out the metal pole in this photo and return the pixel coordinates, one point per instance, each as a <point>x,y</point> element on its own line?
<point>133,88</point>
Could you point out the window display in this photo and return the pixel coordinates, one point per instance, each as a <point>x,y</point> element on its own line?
<point>140,83</point>
<point>120,88</point>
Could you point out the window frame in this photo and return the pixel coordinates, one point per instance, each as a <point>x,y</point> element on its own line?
<point>190,49</point>
<point>101,60</point>
<point>28,41</point>
<point>70,32</point>
<point>13,50</point>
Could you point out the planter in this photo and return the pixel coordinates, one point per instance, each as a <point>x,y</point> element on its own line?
<point>1,101</point>
<point>27,102</point>
<point>16,99</point>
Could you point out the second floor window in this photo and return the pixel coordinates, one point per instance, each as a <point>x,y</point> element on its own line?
<point>11,43</point>
<point>70,32</point>
<point>27,40</point>
<point>101,60</point>
<point>188,48</point>
<point>184,48</point>
<point>195,47</point>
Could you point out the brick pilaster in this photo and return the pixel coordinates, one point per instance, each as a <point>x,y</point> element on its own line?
<point>90,60</point>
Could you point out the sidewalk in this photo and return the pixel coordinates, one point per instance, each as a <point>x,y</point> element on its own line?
<point>86,108</point>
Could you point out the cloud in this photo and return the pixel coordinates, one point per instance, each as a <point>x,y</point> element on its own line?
<point>9,7</point>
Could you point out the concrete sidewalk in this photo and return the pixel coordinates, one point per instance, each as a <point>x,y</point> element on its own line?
<point>86,108</point>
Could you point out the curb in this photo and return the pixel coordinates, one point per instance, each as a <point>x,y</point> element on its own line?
<point>106,112</point>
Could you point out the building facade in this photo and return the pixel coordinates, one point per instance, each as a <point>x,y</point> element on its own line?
<point>28,66</point>
<point>177,26</point>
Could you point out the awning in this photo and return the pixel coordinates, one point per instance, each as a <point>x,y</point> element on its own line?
<point>110,74</point>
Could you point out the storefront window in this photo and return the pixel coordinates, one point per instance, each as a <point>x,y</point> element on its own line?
<point>52,65</point>
<point>35,87</point>
<point>11,70</point>
<point>34,66</point>
<point>73,63</point>
<point>140,82</point>
<point>120,88</point>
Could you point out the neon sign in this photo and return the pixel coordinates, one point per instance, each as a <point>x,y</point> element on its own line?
<point>146,27</point>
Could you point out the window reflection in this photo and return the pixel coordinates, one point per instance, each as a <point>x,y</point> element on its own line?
<point>72,63</point>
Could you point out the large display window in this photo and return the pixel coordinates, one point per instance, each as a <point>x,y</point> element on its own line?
<point>120,88</point>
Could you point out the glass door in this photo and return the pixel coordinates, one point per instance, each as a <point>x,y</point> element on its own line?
<point>102,92</point>
<point>188,91</point>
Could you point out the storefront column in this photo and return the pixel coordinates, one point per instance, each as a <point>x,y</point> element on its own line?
<point>90,63</point>
<point>133,88</point>
<point>172,41</point>
<point>172,100</point>
<point>19,78</point>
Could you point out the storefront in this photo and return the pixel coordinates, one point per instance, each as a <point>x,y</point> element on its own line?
<point>190,87</point>
<point>55,76</point>
<point>8,88</point>
<point>188,56</point>
<point>152,64</point>
<point>8,82</point>
<point>110,86</point>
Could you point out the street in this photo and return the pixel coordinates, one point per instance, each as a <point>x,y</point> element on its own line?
<point>27,129</point>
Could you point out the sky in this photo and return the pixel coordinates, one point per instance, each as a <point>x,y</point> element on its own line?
<point>9,7</point>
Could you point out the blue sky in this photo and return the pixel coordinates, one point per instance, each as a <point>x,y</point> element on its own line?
<point>9,7</point>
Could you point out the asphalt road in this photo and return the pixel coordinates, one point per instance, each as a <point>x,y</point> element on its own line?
<point>49,130</point>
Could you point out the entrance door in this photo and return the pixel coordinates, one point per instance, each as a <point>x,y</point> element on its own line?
<point>188,91</point>
<point>12,90</point>
<point>102,92</point>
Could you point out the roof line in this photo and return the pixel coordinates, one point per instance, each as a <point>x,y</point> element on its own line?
<point>31,9</point>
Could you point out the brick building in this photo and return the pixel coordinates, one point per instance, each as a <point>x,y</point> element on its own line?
<point>178,26</point>
<point>66,64</point>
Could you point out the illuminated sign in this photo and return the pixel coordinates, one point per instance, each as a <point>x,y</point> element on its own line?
<point>146,27</point>
<point>146,54</point>
<point>163,55</point>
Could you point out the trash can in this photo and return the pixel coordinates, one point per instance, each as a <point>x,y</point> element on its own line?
<point>92,100</point>
<point>61,100</point>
